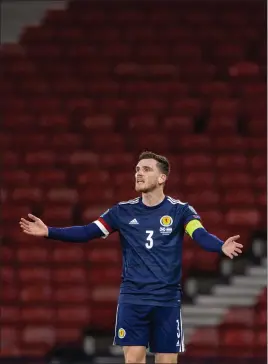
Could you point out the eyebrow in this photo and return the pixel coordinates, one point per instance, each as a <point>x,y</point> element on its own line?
<point>144,167</point>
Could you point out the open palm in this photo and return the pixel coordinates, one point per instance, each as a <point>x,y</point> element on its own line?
<point>35,227</point>
<point>231,248</point>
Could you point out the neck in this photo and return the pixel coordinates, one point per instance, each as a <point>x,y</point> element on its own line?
<point>153,198</point>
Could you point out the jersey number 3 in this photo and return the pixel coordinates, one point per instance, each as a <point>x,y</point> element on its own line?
<point>150,243</point>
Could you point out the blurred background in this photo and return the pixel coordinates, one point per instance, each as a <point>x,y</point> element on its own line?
<point>86,86</point>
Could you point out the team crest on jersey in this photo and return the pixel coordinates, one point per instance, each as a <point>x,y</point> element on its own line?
<point>166,221</point>
<point>121,333</point>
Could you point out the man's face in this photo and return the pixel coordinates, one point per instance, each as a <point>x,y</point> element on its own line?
<point>148,176</point>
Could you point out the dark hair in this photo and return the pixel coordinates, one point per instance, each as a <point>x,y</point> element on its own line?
<point>162,162</point>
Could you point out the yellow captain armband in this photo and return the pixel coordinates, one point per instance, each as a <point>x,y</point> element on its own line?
<point>192,226</point>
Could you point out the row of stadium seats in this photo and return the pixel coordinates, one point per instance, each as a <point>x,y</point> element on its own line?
<point>242,327</point>
<point>46,324</point>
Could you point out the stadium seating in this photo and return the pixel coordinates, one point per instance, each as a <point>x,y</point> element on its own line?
<point>242,333</point>
<point>81,95</point>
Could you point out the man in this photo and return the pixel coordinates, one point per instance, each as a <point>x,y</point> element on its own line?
<point>151,229</point>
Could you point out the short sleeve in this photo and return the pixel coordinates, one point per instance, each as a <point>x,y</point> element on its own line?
<point>108,221</point>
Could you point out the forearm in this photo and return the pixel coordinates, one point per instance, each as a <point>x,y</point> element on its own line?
<point>207,241</point>
<point>77,234</point>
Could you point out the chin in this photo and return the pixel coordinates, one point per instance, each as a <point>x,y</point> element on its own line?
<point>140,189</point>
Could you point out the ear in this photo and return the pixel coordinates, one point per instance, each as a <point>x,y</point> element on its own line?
<point>162,179</point>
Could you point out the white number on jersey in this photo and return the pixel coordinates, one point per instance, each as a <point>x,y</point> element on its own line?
<point>149,238</point>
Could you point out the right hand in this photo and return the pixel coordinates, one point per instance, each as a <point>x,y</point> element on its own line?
<point>35,227</point>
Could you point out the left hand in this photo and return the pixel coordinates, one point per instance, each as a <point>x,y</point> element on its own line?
<point>231,248</point>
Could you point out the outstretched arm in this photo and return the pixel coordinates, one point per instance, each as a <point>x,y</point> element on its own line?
<point>211,243</point>
<point>79,234</point>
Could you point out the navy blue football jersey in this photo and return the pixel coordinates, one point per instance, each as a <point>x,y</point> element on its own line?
<point>151,240</point>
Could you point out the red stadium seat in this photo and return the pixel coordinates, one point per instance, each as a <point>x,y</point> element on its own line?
<point>49,177</point>
<point>37,254</point>
<point>222,125</point>
<point>36,293</point>
<point>9,315</point>
<point>235,180</point>
<point>57,214</point>
<point>73,315</point>
<point>232,162</point>
<point>68,254</point>
<point>180,124</point>
<point>239,197</point>
<point>105,293</point>
<point>13,178</point>
<point>152,141</point>
<point>109,275</point>
<point>73,275</point>
<point>99,122</point>
<point>206,179</point>
<point>238,337</point>
<point>67,334</point>
<point>38,314</point>
<point>240,317</point>
<point>142,122</point>
<point>104,256</point>
<point>64,195</point>
<point>72,294</point>
<point>41,275</point>
<point>243,217</point>
<point>196,161</point>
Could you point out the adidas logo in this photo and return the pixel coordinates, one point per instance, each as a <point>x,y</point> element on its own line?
<point>133,222</point>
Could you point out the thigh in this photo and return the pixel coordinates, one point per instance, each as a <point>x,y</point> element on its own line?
<point>135,354</point>
<point>132,325</point>
<point>166,334</point>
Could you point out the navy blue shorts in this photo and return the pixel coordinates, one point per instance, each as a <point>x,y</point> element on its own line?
<point>155,327</point>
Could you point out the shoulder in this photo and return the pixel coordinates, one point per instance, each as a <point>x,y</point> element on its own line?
<point>177,202</point>
<point>129,202</point>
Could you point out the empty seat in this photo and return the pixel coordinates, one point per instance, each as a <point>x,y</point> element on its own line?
<point>107,142</point>
<point>68,254</point>
<point>238,337</point>
<point>151,142</point>
<point>236,180</point>
<point>109,275</point>
<point>239,197</point>
<point>57,214</point>
<point>196,161</point>
<point>181,124</point>
<point>9,314</point>
<point>38,314</point>
<point>69,275</point>
<point>99,122</point>
<point>37,254</point>
<point>243,217</point>
<point>104,256</point>
<point>73,315</point>
<point>232,162</point>
<point>72,294</point>
<point>36,293</point>
<point>15,178</point>
<point>29,275</point>
<point>105,293</point>
<point>63,194</point>
<point>27,194</point>
<point>67,334</point>
<point>222,125</point>
<point>206,179</point>
<point>240,317</point>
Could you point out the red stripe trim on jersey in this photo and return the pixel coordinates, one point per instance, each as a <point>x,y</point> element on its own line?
<point>104,223</point>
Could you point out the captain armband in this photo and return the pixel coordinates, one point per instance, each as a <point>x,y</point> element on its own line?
<point>192,226</point>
